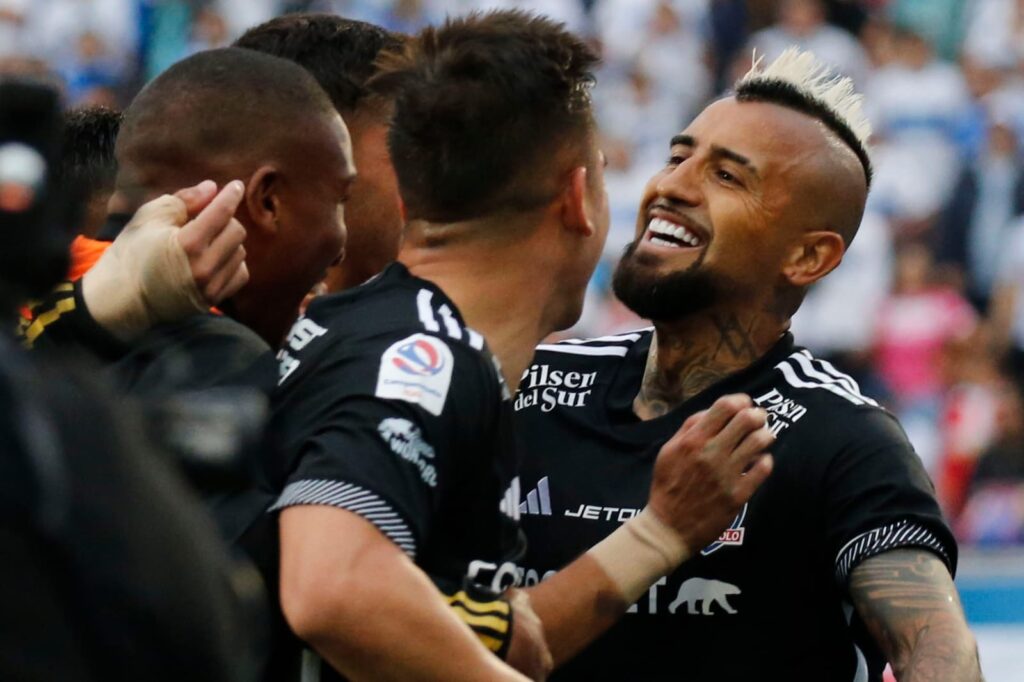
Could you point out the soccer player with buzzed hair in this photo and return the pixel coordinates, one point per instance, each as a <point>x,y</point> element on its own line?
<point>841,561</point>
<point>340,54</point>
<point>225,115</point>
<point>395,397</point>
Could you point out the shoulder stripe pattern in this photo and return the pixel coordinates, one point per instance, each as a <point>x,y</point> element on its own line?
<point>897,535</point>
<point>802,370</point>
<point>352,498</point>
<point>426,313</point>
<point>585,350</point>
<point>629,336</point>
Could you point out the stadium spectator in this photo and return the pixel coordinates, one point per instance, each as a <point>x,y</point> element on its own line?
<point>917,104</point>
<point>975,226</point>
<point>913,324</point>
<point>802,23</point>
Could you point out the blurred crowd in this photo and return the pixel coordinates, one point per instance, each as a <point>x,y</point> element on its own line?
<point>927,309</point>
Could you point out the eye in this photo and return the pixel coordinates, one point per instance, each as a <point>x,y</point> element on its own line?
<point>676,159</point>
<point>727,176</point>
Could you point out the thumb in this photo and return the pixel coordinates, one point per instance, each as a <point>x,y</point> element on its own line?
<point>165,210</point>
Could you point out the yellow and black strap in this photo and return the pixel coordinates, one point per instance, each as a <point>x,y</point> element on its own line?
<point>490,618</point>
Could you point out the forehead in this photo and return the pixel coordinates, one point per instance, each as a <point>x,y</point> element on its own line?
<point>339,152</point>
<point>768,134</point>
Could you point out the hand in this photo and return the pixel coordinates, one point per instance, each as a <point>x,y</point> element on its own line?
<point>710,468</point>
<point>212,241</point>
<point>164,267</point>
<point>528,651</point>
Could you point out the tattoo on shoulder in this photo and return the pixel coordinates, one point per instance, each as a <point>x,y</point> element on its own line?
<point>909,604</point>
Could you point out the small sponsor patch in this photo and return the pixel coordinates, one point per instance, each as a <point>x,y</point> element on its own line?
<point>417,369</point>
<point>406,440</point>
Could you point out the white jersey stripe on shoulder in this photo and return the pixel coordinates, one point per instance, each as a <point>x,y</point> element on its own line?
<point>814,374</point>
<point>791,377</point>
<point>476,340</point>
<point>426,313</point>
<point>848,382</point>
<point>585,350</point>
<point>597,339</point>
<point>845,380</point>
<point>831,369</point>
<point>450,323</point>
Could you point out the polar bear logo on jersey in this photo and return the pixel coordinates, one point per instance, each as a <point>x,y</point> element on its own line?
<point>705,592</point>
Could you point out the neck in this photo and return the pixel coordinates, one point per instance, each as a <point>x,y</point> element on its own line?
<point>270,322</point>
<point>496,290</point>
<point>690,355</point>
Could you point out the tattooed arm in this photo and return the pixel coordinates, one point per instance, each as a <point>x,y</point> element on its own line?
<point>909,604</point>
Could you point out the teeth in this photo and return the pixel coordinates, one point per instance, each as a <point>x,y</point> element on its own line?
<point>659,226</point>
<point>664,242</point>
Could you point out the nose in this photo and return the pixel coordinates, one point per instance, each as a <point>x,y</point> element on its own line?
<point>682,184</point>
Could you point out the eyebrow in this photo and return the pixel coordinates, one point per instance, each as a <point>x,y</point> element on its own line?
<point>724,152</point>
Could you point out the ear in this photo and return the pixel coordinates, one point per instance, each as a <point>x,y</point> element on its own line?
<point>574,203</point>
<point>817,254</point>
<point>262,201</point>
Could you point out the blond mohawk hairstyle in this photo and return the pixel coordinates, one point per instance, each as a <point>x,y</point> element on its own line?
<point>799,80</point>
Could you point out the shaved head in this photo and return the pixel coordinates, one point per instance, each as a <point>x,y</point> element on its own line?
<point>237,114</point>
<point>214,114</point>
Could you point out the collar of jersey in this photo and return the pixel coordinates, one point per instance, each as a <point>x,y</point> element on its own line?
<point>626,383</point>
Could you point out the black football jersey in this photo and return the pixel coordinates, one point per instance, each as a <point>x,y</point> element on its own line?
<point>389,406</point>
<point>768,600</point>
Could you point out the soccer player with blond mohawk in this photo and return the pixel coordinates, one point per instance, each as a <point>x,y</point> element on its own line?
<point>841,561</point>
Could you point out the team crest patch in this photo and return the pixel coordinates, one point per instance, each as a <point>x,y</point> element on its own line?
<point>417,369</point>
<point>733,535</point>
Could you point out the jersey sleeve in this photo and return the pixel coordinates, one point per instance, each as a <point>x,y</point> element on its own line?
<point>61,322</point>
<point>877,497</point>
<point>384,427</point>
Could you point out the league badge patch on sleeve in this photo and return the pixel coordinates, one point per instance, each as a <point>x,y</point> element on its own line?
<point>417,369</point>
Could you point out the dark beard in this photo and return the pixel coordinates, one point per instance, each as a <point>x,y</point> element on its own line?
<point>664,298</point>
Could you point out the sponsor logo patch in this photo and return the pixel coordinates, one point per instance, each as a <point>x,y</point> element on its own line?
<point>406,440</point>
<point>417,369</point>
<point>548,388</point>
<point>731,536</point>
<point>782,412</point>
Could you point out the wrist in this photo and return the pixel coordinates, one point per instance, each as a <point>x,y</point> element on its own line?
<point>639,553</point>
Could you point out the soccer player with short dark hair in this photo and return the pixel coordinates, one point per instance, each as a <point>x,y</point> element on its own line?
<point>88,165</point>
<point>395,397</point>
<point>842,560</point>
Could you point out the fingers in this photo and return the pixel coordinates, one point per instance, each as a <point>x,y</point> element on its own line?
<point>692,420</point>
<point>756,443</point>
<point>198,196</point>
<point>750,481</point>
<point>224,276</point>
<point>238,280</point>
<point>214,218</point>
<point>720,414</point>
<point>743,423</point>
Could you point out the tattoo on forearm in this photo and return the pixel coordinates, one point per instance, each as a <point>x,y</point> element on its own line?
<point>908,603</point>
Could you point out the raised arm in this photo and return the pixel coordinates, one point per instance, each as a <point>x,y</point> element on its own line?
<point>702,476</point>
<point>909,604</point>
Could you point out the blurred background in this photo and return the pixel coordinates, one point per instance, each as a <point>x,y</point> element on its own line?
<point>927,310</point>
